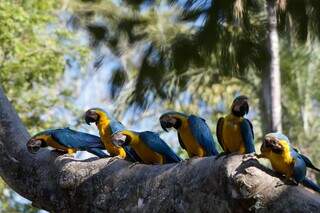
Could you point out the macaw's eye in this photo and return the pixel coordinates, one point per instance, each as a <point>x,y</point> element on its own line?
<point>268,143</point>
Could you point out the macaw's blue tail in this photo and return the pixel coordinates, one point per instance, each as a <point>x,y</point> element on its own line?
<point>309,163</point>
<point>310,184</point>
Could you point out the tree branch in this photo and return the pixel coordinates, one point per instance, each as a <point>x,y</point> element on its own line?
<point>63,184</point>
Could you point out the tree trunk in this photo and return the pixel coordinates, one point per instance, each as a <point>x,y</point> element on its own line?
<point>233,183</point>
<point>265,103</point>
<point>272,83</point>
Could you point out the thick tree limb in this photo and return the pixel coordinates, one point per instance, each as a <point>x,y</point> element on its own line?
<point>63,184</point>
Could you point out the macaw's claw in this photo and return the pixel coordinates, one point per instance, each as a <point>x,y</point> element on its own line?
<point>221,154</point>
<point>249,156</point>
<point>133,164</point>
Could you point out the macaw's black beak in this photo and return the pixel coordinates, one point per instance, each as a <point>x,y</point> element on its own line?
<point>165,125</point>
<point>244,108</point>
<point>272,143</point>
<point>240,106</point>
<point>34,145</point>
<point>120,140</point>
<point>91,117</point>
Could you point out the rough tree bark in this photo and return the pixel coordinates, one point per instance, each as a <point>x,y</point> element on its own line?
<point>62,184</point>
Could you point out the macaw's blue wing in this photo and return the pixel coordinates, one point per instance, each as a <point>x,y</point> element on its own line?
<point>310,184</point>
<point>75,139</point>
<point>247,135</point>
<point>131,154</point>
<point>155,143</point>
<point>219,132</point>
<point>308,162</point>
<point>299,167</point>
<point>201,132</point>
<point>116,126</point>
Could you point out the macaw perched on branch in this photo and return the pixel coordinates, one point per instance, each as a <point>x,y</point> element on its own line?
<point>287,160</point>
<point>107,126</point>
<point>148,145</point>
<point>66,140</point>
<point>234,132</point>
<point>194,135</point>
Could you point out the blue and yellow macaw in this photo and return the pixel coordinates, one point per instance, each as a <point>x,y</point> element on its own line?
<point>66,140</point>
<point>150,148</point>
<point>287,160</point>
<point>234,132</point>
<point>194,135</point>
<point>107,126</point>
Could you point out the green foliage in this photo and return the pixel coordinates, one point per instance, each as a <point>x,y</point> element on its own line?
<point>29,54</point>
<point>33,47</point>
<point>32,60</point>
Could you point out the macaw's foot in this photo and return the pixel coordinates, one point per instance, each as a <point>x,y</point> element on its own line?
<point>63,152</point>
<point>118,157</point>
<point>114,158</point>
<point>286,181</point>
<point>133,164</point>
<point>71,152</point>
<point>279,184</point>
<point>291,182</point>
<point>222,154</point>
<point>249,156</point>
<point>259,155</point>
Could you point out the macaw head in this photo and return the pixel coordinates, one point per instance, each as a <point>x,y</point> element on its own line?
<point>94,115</point>
<point>172,119</point>
<point>36,142</point>
<point>240,106</point>
<point>276,143</point>
<point>124,138</point>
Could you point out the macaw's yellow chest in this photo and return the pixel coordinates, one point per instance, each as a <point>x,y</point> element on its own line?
<point>231,133</point>
<point>193,148</point>
<point>282,164</point>
<point>147,155</point>
<point>105,134</point>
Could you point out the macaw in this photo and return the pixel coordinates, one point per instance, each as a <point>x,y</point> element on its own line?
<point>234,132</point>
<point>148,145</point>
<point>194,135</point>
<point>287,160</point>
<point>66,140</point>
<point>107,126</point>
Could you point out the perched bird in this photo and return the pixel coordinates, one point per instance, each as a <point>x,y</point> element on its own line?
<point>234,132</point>
<point>107,126</point>
<point>287,160</point>
<point>148,145</point>
<point>194,135</point>
<point>66,140</point>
